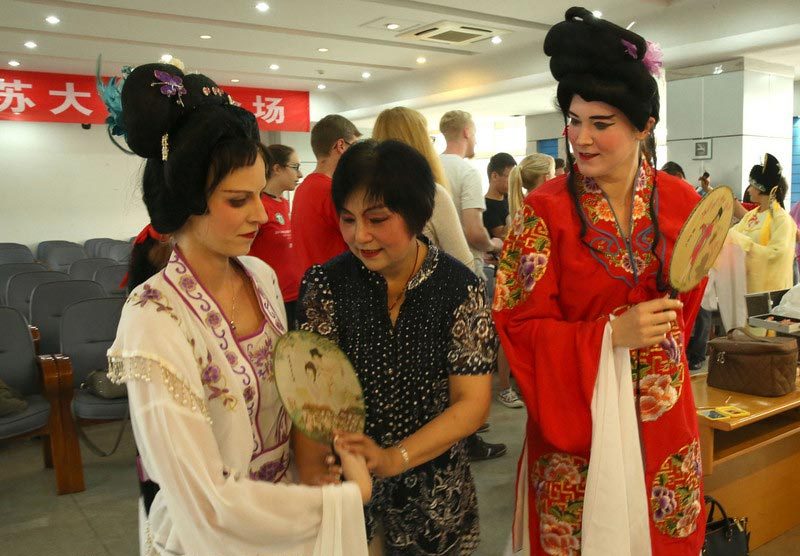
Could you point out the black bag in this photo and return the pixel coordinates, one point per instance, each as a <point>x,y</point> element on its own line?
<point>727,536</point>
<point>98,384</point>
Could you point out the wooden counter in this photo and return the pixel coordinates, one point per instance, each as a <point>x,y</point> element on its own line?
<point>752,464</point>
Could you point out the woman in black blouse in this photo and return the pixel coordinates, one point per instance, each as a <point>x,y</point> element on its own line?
<point>414,324</point>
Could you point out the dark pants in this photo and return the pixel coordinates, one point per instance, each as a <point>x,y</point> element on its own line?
<point>696,350</point>
<point>291,316</point>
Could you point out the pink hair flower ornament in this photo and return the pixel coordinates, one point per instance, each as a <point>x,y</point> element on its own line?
<point>653,58</point>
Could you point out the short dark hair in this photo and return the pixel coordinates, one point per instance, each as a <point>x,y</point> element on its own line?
<point>674,169</point>
<point>390,172</point>
<point>330,129</point>
<point>560,163</point>
<point>499,162</point>
<point>277,154</point>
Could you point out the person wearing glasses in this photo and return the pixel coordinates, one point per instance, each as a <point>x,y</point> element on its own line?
<point>274,244</point>
<point>315,224</point>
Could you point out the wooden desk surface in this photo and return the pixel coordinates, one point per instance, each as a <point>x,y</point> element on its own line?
<point>759,407</point>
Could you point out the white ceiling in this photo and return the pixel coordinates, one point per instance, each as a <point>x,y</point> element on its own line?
<point>509,78</point>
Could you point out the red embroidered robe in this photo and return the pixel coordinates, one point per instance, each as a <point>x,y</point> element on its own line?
<point>552,302</point>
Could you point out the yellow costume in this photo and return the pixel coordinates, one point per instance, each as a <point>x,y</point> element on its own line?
<point>768,240</point>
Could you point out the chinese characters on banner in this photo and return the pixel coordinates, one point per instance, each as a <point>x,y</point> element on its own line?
<point>54,97</point>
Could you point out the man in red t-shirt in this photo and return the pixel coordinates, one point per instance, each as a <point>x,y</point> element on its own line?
<point>315,223</point>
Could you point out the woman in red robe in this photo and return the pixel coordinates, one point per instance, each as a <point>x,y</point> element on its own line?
<point>611,465</point>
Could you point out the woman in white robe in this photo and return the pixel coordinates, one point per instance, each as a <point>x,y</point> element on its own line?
<point>194,345</point>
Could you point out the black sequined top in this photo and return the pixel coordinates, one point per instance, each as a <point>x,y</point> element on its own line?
<point>444,328</point>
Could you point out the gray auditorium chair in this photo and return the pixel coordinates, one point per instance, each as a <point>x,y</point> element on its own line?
<point>110,277</point>
<point>9,270</point>
<point>104,248</point>
<point>84,269</point>
<point>88,329</point>
<point>60,257</point>
<point>48,302</point>
<point>48,395</point>
<point>15,253</point>
<point>21,286</point>
<point>120,252</point>
<point>91,245</point>
<point>44,247</point>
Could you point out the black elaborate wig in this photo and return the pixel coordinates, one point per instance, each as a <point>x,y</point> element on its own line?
<point>192,135</point>
<point>768,176</point>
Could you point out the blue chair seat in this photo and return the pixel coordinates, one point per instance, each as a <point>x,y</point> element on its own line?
<point>34,417</point>
<point>87,406</point>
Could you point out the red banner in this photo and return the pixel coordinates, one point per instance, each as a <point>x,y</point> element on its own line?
<point>31,96</point>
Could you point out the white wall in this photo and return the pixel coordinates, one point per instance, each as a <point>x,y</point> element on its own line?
<point>60,181</point>
<point>796,111</point>
<point>744,113</point>
<point>544,126</point>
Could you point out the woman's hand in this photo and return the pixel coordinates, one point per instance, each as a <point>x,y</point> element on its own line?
<point>645,324</point>
<point>355,469</point>
<point>383,462</point>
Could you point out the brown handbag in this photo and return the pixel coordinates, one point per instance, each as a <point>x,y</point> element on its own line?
<point>750,364</point>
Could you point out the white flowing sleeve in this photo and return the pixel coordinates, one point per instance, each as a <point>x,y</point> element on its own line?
<point>202,506</point>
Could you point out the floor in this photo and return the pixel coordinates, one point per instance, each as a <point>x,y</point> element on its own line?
<point>101,521</point>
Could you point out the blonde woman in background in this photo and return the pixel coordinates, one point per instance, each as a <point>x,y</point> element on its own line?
<point>444,228</point>
<point>530,173</point>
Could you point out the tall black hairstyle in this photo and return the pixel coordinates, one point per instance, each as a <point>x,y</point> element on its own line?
<point>277,154</point>
<point>498,163</point>
<point>192,136</point>
<point>390,172</point>
<point>589,58</point>
<point>769,175</point>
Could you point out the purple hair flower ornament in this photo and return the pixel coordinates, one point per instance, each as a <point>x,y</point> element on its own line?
<point>171,85</point>
<point>653,58</point>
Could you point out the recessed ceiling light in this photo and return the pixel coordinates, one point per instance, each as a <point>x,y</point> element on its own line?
<point>597,13</point>
<point>274,67</point>
<point>366,75</point>
<point>496,40</point>
<point>166,58</point>
<point>31,44</point>
<point>321,86</point>
<point>205,37</point>
<point>392,26</point>
<point>323,49</point>
<point>717,70</point>
<point>631,24</point>
<point>421,60</point>
<point>13,63</point>
<point>262,6</point>
<point>52,20</point>
<point>234,80</point>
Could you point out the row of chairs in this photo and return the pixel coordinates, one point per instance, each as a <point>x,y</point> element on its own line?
<point>19,280</point>
<point>59,255</point>
<point>51,383</point>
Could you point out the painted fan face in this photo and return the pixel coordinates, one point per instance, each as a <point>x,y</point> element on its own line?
<point>701,239</point>
<point>318,386</point>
